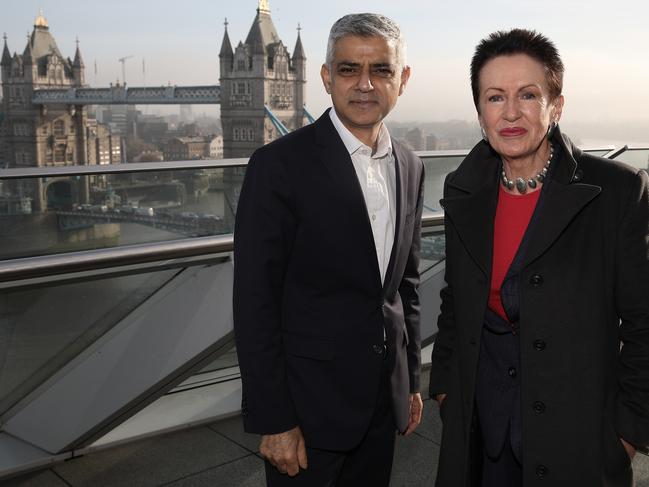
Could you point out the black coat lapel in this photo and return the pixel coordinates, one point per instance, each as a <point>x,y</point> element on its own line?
<point>472,196</point>
<point>562,205</point>
<point>563,201</point>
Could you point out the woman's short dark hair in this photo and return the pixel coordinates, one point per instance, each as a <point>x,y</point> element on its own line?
<point>518,41</point>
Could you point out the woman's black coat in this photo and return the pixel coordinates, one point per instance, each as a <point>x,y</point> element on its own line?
<point>584,319</point>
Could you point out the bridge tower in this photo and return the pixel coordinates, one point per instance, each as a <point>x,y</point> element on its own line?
<point>257,73</point>
<point>35,136</point>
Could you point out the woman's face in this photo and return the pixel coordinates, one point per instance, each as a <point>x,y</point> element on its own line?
<point>515,105</point>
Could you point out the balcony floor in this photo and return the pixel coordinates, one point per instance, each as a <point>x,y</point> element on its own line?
<point>222,454</point>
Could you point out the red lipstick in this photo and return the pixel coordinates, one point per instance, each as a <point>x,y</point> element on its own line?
<point>512,131</point>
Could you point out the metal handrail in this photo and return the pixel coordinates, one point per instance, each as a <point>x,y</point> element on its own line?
<point>617,152</point>
<point>88,260</point>
<point>91,260</point>
<point>62,171</point>
<point>131,167</point>
<point>52,171</point>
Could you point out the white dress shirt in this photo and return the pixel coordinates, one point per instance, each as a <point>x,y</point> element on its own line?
<point>377,178</point>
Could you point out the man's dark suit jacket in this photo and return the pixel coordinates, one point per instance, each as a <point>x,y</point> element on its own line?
<point>309,306</point>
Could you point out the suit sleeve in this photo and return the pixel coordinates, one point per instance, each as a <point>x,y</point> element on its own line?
<point>264,232</point>
<point>632,301</point>
<point>442,356</point>
<point>408,290</point>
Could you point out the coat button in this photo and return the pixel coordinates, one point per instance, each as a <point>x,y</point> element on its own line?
<point>379,349</point>
<point>538,407</point>
<point>536,280</point>
<point>542,471</point>
<point>511,372</point>
<point>539,345</point>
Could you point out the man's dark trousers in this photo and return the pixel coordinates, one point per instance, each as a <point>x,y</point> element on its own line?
<point>369,463</point>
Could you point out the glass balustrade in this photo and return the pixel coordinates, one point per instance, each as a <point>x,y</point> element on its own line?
<point>636,157</point>
<point>40,328</point>
<point>44,328</point>
<point>437,167</point>
<point>48,215</point>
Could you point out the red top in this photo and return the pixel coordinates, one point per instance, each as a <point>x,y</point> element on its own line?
<point>513,214</point>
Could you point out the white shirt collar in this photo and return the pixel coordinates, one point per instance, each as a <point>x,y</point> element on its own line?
<point>383,144</point>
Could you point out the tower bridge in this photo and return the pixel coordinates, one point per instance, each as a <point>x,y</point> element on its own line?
<point>43,118</point>
<point>123,95</point>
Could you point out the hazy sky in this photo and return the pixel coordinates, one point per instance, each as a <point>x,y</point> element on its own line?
<point>603,44</point>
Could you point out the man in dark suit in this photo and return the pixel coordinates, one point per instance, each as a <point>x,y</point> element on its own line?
<point>326,309</point>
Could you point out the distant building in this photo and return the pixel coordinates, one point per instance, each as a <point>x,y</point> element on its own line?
<point>432,143</point>
<point>186,114</point>
<point>186,148</point>
<point>122,119</point>
<point>260,73</point>
<point>193,147</point>
<point>188,130</point>
<point>149,156</point>
<point>216,147</point>
<point>415,138</point>
<point>103,146</point>
<point>119,118</point>
<point>152,129</point>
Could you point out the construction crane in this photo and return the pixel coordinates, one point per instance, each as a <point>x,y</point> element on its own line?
<point>123,61</point>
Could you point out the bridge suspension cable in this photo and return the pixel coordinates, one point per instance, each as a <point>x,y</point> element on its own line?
<point>281,128</point>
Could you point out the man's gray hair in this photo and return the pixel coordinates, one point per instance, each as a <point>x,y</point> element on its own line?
<point>366,25</point>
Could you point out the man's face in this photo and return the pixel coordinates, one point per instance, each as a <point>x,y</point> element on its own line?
<point>364,81</point>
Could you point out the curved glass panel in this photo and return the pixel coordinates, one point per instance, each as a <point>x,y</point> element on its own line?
<point>40,216</point>
<point>635,157</point>
<point>225,361</point>
<point>432,250</point>
<point>436,170</point>
<point>42,329</point>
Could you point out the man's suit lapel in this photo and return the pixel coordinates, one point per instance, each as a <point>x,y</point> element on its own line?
<point>335,157</point>
<point>401,201</point>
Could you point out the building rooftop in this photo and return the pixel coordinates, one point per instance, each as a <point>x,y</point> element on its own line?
<point>221,454</point>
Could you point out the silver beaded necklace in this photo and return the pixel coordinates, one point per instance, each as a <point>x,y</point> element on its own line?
<point>521,184</point>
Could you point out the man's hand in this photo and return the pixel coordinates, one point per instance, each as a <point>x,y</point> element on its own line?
<point>416,407</point>
<point>630,449</point>
<point>285,451</point>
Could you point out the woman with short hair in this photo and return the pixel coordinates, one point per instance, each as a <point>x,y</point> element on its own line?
<point>541,364</point>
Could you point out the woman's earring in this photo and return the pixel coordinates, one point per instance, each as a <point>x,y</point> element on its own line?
<point>484,134</point>
<point>551,128</point>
